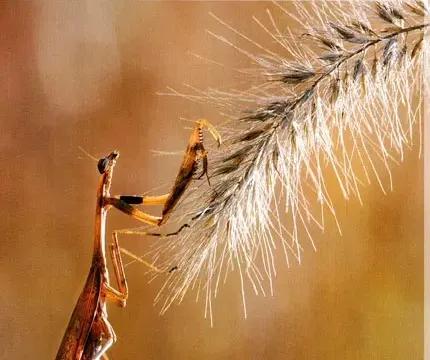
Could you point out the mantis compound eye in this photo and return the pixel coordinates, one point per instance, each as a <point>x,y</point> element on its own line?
<point>102,165</point>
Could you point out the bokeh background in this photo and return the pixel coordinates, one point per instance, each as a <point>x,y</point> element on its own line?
<point>86,73</point>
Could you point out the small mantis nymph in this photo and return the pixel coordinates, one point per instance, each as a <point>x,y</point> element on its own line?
<point>89,334</point>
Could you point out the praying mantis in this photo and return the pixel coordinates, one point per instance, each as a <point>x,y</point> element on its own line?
<point>89,335</point>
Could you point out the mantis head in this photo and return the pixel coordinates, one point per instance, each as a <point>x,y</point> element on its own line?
<point>106,163</point>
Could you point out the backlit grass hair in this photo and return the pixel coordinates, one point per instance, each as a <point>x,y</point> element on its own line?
<point>330,99</point>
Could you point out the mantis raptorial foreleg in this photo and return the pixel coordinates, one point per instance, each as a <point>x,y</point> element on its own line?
<point>132,211</point>
<point>194,153</point>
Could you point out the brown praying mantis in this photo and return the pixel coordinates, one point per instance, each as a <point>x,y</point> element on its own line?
<point>89,334</point>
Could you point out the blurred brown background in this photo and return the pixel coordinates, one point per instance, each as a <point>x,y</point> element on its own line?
<point>86,74</point>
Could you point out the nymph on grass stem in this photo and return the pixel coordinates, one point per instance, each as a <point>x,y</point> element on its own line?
<point>329,98</point>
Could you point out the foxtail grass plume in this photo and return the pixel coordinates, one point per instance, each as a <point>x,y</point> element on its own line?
<point>329,98</point>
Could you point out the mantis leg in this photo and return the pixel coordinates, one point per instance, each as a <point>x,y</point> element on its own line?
<point>130,210</point>
<point>119,296</point>
<point>108,334</point>
<point>149,233</point>
<point>195,152</point>
<point>144,200</point>
<point>203,123</point>
<point>155,200</point>
<point>204,157</point>
<point>137,258</point>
